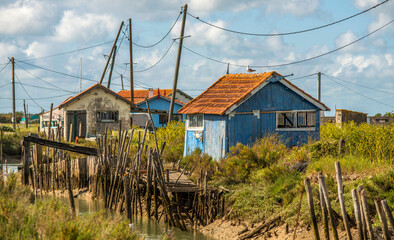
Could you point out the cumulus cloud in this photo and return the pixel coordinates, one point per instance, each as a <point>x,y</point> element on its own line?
<point>346,38</point>
<point>86,27</point>
<point>26,16</point>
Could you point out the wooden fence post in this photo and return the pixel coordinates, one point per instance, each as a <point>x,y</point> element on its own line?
<point>366,215</point>
<point>388,213</point>
<point>341,201</point>
<point>308,189</point>
<point>383,220</point>
<point>322,181</point>
<point>324,213</point>
<point>357,214</point>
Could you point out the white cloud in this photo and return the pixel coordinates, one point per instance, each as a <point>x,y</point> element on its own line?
<point>365,3</point>
<point>346,38</point>
<point>87,27</point>
<point>26,16</point>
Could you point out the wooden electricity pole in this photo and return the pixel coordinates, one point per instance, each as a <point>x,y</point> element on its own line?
<point>26,118</point>
<point>319,86</point>
<point>110,55</point>
<point>178,60</point>
<point>112,68</point>
<point>131,65</point>
<point>13,94</point>
<point>121,80</point>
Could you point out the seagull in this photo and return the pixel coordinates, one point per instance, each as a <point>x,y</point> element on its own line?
<point>249,69</point>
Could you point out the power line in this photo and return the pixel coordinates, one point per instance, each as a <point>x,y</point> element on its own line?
<point>149,46</point>
<point>27,91</point>
<point>310,75</point>
<point>328,76</point>
<point>59,88</point>
<point>287,33</point>
<point>41,87</point>
<point>146,69</point>
<point>295,62</point>
<point>5,66</point>
<point>5,85</point>
<point>40,98</point>
<point>68,52</point>
<point>359,92</point>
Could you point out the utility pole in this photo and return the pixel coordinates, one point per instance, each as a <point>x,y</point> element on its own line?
<point>26,118</point>
<point>319,86</point>
<point>131,65</point>
<point>178,60</point>
<point>112,68</point>
<point>13,94</point>
<point>110,55</point>
<point>80,77</point>
<point>121,80</point>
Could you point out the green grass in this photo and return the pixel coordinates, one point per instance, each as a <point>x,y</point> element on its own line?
<point>23,218</point>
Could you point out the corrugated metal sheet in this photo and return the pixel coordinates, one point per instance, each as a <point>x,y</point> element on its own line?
<point>225,92</point>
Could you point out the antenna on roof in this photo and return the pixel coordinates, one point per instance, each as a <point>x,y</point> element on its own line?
<point>228,68</point>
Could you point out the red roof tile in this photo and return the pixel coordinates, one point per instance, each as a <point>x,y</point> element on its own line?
<point>140,95</point>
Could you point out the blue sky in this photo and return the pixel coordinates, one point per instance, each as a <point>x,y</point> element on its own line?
<point>359,77</point>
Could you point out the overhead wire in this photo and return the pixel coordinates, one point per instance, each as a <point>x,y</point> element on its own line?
<point>53,85</point>
<point>27,91</point>
<point>297,78</point>
<point>295,62</point>
<point>146,69</point>
<point>5,85</point>
<point>152,45</point>
<point>53,89</point>
<point>287,33</point>
<point>68,52</point>
<point>5,66</point>
<point>356,84</point>
<point>359,92</point>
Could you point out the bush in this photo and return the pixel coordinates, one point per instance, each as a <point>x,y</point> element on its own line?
<point>174,136</point>
<point>199,162</point>
<point>6,128</point>
<point>372,141</point>
<point>12,144</point>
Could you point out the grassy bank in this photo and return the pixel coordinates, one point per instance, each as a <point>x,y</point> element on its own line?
<point>23,218</point>
<point>266,179</point>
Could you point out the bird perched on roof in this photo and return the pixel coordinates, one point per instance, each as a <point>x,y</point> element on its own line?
<point>249,69</point>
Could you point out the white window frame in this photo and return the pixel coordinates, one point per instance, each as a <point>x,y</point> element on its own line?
<point>194,128</point>
<point>295,112</point>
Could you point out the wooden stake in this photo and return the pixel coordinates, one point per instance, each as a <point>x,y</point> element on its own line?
<point>322,181</point>
<point>324,213</point>
<point>383,220</point>
<point>341,201</point>
<point>68,180</point>
<point>366,215</point>
<point>388,213</point>
<point>357,214</point>
<point>309,195</point>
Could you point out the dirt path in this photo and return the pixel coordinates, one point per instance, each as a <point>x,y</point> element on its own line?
<point>225,229</point>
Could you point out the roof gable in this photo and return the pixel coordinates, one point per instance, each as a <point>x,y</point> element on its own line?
<point>231,90</point>
<point>88,90</point>
<point>140,95</point>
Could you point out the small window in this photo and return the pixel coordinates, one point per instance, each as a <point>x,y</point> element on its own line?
<point>306,119</point>
<point>163,119</point>
<point>196,121</point>
<point>296,120</point>
<point>286,120</point>
<point>107,116</point>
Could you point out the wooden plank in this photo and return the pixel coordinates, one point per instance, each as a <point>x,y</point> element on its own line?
<point>62,146</point>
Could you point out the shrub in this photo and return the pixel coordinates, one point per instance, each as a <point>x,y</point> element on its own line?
<point>174,136</point>
<point>6,128</point>
<point>199,162</point>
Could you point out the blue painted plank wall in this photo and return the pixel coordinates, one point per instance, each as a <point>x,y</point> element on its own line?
<point>215,135</point>
<point>192,142</point>
<point>159,104</point>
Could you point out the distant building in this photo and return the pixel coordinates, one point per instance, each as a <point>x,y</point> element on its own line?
<point>159,99</point>
<point>57,120</point>
<point>381,121</point>
<point>241,108</point>
<point>92,111</point>
<point>344,116</point>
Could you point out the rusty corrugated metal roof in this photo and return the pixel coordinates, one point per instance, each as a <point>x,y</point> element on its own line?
<point>229,90</point>
<point>224,93</point>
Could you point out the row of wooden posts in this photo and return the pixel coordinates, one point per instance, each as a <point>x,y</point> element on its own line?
<point>134,185</point>
<point>361,211</point>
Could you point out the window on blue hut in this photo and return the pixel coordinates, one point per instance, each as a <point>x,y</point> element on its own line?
<point>196,121</point>
<point>286,119</point>
<point>107,116</point>
<point>306,119</point>
<point>296,119</point>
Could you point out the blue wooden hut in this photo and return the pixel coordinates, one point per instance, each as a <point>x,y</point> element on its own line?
<point>241,108</point>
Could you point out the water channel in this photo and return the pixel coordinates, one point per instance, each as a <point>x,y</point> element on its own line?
<point>148,228</point>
